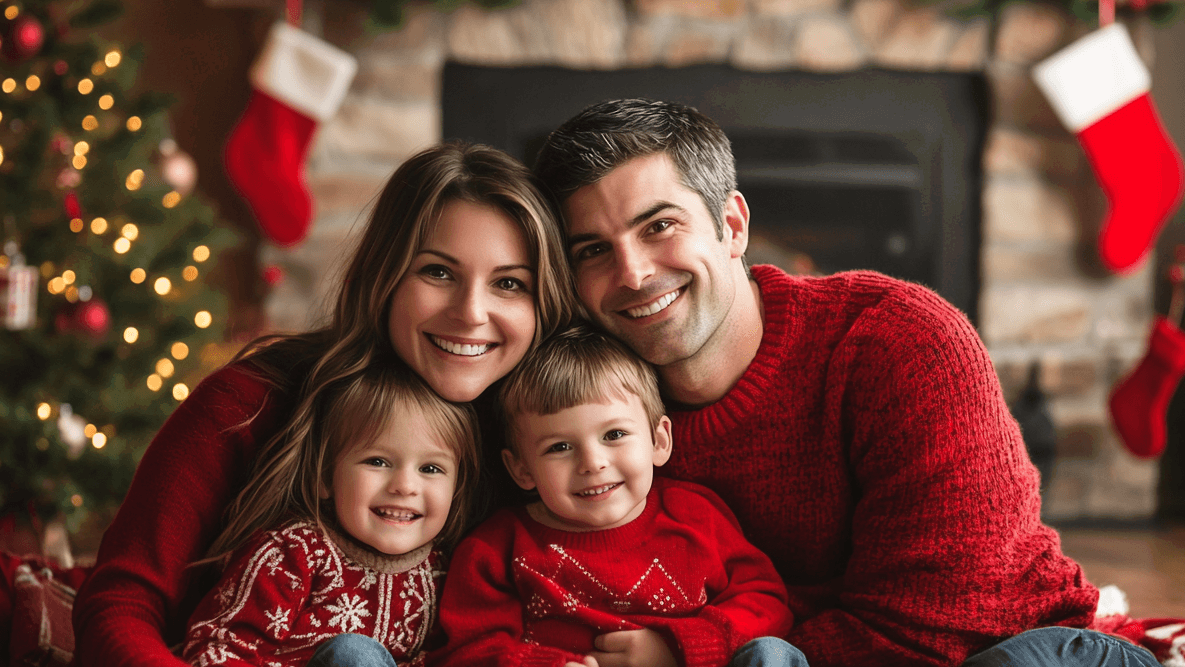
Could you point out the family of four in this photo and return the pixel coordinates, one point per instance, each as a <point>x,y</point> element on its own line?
<point>720,464</point>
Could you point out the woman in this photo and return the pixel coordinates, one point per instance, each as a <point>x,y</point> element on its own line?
<point>460,270</point>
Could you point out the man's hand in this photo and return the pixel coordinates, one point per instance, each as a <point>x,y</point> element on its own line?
<point>589,661</point>
<point>632,648</point>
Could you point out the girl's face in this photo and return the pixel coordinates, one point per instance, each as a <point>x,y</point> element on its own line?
<point>394,494</point>
<point>464,314</point>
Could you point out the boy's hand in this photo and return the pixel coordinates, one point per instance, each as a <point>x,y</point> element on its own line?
<point>632,648</point>
<point>589,661</point>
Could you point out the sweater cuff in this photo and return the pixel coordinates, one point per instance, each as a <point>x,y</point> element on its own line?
<point>698,642</point>
<point>534,655</point>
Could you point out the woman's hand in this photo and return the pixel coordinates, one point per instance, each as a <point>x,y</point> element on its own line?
<point>630,648</point>
<point>589,661</point>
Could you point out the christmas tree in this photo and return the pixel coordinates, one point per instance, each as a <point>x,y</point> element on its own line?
<point>104,304</point>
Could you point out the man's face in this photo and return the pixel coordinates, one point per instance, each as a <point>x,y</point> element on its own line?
<point>648,264</point>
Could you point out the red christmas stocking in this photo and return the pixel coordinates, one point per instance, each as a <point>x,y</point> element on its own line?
<point>299,81</point>
<point>1140,401</point>
<point>1099,88</point>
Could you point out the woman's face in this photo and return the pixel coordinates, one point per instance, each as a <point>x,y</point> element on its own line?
<point>464,314</point>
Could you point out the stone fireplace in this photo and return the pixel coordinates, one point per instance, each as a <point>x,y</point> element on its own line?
<point>1015,252</point>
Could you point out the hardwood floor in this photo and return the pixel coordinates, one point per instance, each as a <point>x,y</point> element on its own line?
<point>1146,564</point>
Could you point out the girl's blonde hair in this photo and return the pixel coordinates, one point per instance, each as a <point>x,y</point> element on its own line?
<point>287,481</point>
<point>303,366</point>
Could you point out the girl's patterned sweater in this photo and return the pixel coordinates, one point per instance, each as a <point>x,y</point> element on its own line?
<point>289,590</point>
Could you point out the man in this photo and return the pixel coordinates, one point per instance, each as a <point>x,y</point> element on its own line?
<point>853,422</point>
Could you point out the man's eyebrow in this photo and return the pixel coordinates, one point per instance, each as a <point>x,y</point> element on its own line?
<point>654,209</point>
<point>497,269</point>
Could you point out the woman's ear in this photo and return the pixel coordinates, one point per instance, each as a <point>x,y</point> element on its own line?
<point>322,490</point>
<point>518,471</point>
<point>662,441</point>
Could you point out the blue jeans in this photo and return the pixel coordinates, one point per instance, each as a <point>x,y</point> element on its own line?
<point>768,652</point>
<point>350,650</point>
<point>1063,647</point>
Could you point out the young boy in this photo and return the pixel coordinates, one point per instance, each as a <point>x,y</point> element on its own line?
<point>610,565</point>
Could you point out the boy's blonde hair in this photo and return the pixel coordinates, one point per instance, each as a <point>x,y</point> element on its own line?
<point>298,462</point>
<point>577,366</point>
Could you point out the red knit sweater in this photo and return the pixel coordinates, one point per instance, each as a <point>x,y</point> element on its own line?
<point>867,449</point>
<point>135,604</point>
<point>521,593</point>
<point>289,590</point>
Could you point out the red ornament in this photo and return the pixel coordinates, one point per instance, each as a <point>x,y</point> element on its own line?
<point>24,39</point>
<point>273,275</point>
<point>90,318</point>
<point>60,68</point>
<point>73,210</point>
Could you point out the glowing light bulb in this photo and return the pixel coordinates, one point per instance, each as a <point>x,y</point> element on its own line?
<point>90,123</point>
<point>134,123</point>
<point>203,319</point>
<point>77,225</point>
<point>189,273</point>
<point>135,179</point>
<point>170,200</point>
<point>138,276</point>
<point>68,277</point>
<point>180,350</point>
<point>154,382</point>
<point>180,391</point>
<point>112,59</point>
<point>90,430</point>
<point>9,85</point>
<point>81,148</point>
<point>106,102</point>
<point>33,82</point>
<point>78,162</point>
<point>76,500</point>
<point>121,245</point>
<point>86,86</point>
<point>164,368</point>
<point>99,225</point>
<point>201,253</point>
<point>44,411</point>
<point>99,440</point>
<point>162,286</point>
<point>131,334</point>
<point>56,286</point>
<point>130,231</point>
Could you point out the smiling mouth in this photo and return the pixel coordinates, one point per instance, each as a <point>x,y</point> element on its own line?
<point>459,349</point>
<point>400,515</point>
<point>658,305</point>
<point>598,490</point>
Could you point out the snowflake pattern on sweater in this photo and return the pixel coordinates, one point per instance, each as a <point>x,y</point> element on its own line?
<point>288,590</point>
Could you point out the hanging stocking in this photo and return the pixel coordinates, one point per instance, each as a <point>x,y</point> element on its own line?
<point>1099,88</point>
<point>1139,402</point>
<point>299,81</point>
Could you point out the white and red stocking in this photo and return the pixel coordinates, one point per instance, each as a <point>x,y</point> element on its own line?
<point>1139,402</point>
<point>298,82</point>
<point>1099,88</point>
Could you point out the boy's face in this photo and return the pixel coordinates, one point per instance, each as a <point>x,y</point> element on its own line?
<point>593,464</point>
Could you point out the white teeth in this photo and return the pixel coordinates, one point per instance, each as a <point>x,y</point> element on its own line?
<point>462,350</point>
<point>599,490</point>
<point>396,515</point>
<point>652,308</point>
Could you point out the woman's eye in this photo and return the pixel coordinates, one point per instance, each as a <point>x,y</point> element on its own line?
<point>435,271</point>
<point>615,434</point>
<point>431,469</point>
<point>511,285</point>
<point>559,447</point>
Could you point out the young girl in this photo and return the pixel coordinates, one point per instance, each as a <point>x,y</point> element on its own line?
<point>340,530</point>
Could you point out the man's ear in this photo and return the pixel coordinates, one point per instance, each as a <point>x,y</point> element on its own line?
<point>662,441</point>
<point>736,224</point>
<point>518,471</point>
